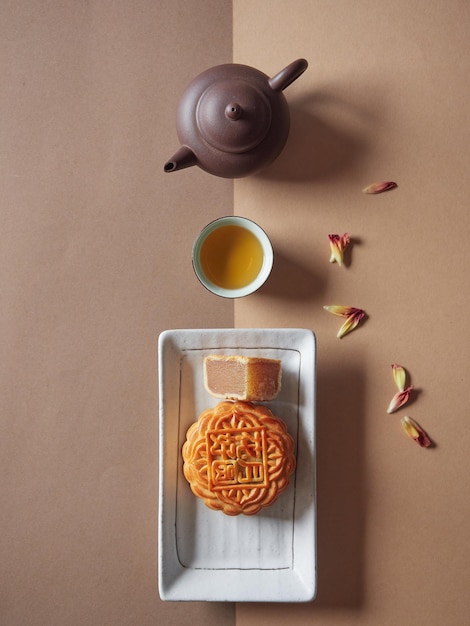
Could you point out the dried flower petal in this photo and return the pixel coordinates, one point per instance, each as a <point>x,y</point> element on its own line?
<point>351,323</point>
<point>352,314</point>
<point>414,430</point>
<point>379,187</point>
<point>399,376</point>
<point>338,245</point>
<point>403,395</point>
<point>399,399</point>
<point>339,309</point>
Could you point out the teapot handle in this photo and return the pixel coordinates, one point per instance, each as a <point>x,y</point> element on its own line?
<point>287,76</point>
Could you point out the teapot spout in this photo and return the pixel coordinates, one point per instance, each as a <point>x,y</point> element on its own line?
<point>184,157</point>
<point>287,76</point>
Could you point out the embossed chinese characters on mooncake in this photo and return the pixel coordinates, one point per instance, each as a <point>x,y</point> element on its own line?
<point>238,457</point>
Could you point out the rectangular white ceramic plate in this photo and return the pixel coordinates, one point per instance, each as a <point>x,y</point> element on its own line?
<point>204,554</point>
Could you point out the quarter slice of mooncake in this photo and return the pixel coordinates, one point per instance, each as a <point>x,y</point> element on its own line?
<point>253,379</point>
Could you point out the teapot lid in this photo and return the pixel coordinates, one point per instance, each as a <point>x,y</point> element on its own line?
<point>233,115</point>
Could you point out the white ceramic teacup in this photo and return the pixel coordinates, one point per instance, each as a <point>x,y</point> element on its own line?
<point>232,256</point>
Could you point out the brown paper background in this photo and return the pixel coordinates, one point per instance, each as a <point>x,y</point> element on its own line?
<point>95,263</point>
<point>386,97</point>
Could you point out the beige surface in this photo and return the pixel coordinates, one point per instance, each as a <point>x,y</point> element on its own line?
<point>385,97</point>
<point>94,263</point>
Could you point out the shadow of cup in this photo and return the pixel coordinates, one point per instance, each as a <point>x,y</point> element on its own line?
<point>291,281</point>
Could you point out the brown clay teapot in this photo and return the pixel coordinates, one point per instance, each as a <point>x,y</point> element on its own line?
<point>233,120</point>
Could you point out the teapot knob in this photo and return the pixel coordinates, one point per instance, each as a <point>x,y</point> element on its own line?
<point>228,101</point>
<point>233,111</point>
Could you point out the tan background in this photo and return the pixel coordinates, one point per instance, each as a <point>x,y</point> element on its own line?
<point>95,263</point>
<point>386,97</point>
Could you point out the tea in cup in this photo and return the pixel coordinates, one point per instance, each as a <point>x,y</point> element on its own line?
<point>232,256</point>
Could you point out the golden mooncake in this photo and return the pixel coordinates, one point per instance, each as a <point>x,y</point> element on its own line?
<point>238,457</point>
<point>254,379</point>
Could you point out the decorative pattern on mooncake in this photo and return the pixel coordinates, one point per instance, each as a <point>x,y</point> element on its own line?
<point>238,457</point>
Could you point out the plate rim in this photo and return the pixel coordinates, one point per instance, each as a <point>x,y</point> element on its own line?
<point>280,585</point>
